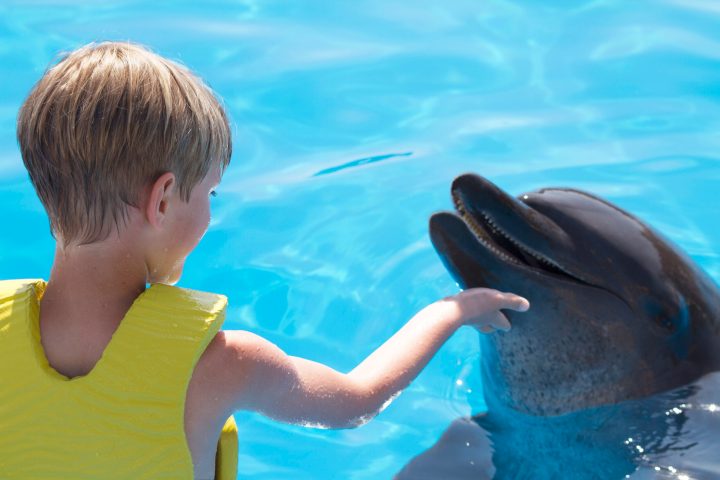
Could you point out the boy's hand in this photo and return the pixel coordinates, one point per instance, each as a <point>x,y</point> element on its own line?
<point>480,307</point>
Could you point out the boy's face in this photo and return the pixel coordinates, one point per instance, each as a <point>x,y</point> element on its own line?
<point>185,226</point>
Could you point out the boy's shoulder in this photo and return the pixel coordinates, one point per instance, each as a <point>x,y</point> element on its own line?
<point>236,367</point>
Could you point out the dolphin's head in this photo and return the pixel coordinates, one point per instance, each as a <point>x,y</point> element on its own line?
<point>617,312</point>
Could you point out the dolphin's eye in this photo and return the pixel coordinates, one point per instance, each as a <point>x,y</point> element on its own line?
<point>669,315</point>
<point>666,323</point>
<point>659,316</point>
<point>672,317</point>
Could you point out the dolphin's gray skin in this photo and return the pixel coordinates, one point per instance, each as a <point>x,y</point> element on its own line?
<point>617,312</point>
<point>618,315</point>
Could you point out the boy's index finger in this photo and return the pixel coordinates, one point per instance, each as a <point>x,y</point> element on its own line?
<point>515,302</point>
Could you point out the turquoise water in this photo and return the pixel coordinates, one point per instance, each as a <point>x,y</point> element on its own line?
<point>351,119</point>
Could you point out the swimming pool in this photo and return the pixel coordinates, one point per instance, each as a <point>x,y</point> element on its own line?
<point>350,122</point>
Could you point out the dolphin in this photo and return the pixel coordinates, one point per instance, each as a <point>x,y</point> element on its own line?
<point>618,312</point>
<point>612,371</point>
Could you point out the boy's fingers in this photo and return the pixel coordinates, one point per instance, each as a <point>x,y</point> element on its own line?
<point>486,329</point>
<point>500,322</point>
<point>515,302</point>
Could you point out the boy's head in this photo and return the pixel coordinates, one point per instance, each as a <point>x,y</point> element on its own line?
<point>105,123</point>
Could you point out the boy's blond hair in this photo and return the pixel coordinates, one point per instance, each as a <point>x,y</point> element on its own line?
<point>106,121</point>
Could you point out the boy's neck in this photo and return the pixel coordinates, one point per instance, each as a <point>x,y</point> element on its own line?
<point>103,277</point>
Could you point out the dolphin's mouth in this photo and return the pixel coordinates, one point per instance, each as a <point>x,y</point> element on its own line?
<point>510,250</point>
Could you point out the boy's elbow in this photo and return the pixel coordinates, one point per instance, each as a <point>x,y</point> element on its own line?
<point>357,420</point>
<point>343,420</point>
<point>368,405</point>
<point>350,422</point>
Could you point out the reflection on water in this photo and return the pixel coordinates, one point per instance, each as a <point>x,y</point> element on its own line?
<point>618,98</point>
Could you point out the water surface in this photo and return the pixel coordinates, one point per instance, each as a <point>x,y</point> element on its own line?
<point>350,121</point>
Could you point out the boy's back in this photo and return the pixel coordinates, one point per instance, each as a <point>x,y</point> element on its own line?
<point>59,393</point>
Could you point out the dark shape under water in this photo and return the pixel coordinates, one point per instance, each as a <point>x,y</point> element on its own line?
<point>673,435</point>
<point>618,313</point>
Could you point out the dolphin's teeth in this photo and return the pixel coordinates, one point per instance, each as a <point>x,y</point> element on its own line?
<point>539,256</point>
<point>481,235</point>
<point>477,230</point>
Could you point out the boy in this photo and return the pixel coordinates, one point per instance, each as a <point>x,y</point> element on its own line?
<point>124,149</point>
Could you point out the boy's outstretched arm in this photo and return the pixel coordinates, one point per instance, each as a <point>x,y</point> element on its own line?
<point>259,376</point>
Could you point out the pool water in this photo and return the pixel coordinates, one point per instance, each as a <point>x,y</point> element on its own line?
<point>350,121</point>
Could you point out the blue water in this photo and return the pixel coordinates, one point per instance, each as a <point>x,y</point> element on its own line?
<point>350,121</point>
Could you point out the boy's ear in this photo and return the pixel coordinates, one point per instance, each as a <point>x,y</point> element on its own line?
<point>158,199</point>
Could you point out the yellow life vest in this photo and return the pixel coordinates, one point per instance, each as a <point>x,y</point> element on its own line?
<point>124,419</point>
